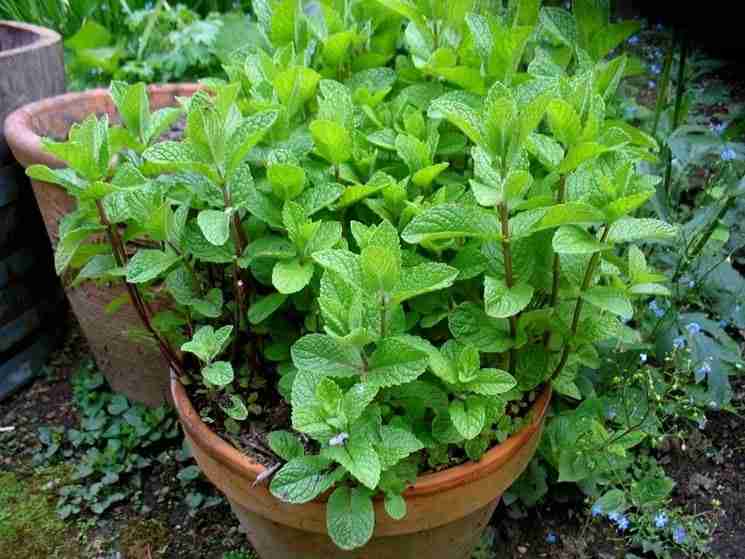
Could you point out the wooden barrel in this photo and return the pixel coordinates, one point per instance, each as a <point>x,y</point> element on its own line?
<point>31,299</point>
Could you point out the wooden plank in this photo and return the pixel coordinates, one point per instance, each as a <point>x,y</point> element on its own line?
<point>24,366</point>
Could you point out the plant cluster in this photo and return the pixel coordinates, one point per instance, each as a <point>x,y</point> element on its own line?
<point>417,214</point>
<point>114,445</point>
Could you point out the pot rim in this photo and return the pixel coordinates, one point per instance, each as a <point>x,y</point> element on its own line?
<point>233,459</point>
<point>44,37</point>
<point>19,125</point>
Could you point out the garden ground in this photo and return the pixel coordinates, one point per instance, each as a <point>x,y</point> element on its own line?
<point>156,522</point>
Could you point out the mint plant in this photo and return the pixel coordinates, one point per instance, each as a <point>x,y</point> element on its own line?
<point>416,231</point>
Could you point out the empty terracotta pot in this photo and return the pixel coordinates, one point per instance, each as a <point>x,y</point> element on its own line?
<point>446,511</point>
<point>133,367</point>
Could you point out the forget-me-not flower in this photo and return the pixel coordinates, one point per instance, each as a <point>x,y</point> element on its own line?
<point>655,68</point>
<point>679,342</point>
<point>597,509</point>
<point>655,308</point>
<point>679,535</point>
<point>704,369</point>
<point>660,520</point>
<point>634,40</point>
<point>693,328</point>
<point>728,154</point>
<point>614,515</point>
<point>652,84</point>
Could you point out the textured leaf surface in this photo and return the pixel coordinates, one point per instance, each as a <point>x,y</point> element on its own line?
<point>350,517</point>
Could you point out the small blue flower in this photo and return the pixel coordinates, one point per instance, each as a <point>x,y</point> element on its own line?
<point>691,284</point>
<point>679,535</point>
<point>704,369</point>
<point>660,520</point>
<point>655,69</point>
<point>614,516</point>
<point>713,405</point>
<point>633,40</point>
<point>656,309</point>
<point>551,538</point>
<point>679,342</point>
<point>728,154</point>
<point>723,323</point>
<point>652,84</point>
<point>622,523</point>
<point>597,509</point>
<point>693,328</point>
<point>643,357</point>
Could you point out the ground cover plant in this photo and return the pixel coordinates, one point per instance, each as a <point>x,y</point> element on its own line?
<point>364,234</point>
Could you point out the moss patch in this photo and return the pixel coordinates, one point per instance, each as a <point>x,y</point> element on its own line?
<point>29,525</point>
<point>142,539</point>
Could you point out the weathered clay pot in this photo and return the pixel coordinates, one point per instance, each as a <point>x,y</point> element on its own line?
<point>446,511</point>
<point>134,368</point>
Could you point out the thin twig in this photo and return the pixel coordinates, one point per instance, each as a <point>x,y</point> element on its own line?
<point>266,474</point>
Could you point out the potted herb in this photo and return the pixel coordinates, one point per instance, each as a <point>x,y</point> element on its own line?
<point>379,262</point>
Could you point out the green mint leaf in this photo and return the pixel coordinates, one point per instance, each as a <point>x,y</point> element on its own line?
<point>610,299</point>
<point>462,110</point>
<point>249,133</point>
<point>263,308</point>
<point>207,342</point>
<point>287,180</point>
<point>330,396</point>
<point>215,226</point>
<point>237,409</point>
<point>350,517</point>
<point>291,276</point>
<point>395,362</point>
<point>267,247</point>
<point>632,229</point>
<point>471,325</point>
<point>302,479</point>
<point>421,279</point>
<point>448,221</point>
<point>326,355</point>
<point>332,141</point>
<point>285,445</point>
<point>357,399</point>
<point>148,264</point>
<point>502,301</point>
<point>359,458</point>
<point>572,239</point>
<point>219,373</point>
<point>396,444</point>
<point>468,416</point>
<point>395,506</point>
<point>491,382</point>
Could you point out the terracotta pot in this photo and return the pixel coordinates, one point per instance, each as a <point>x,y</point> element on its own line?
<point>134,368</point>
<point>446,511</point>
